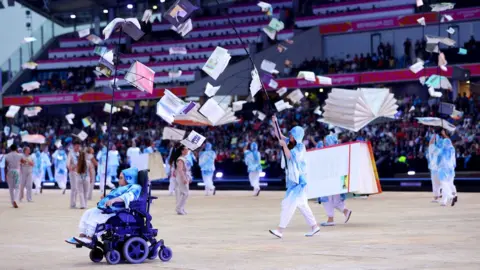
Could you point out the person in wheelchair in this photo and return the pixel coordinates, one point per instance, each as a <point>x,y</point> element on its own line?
<point>128,191</point>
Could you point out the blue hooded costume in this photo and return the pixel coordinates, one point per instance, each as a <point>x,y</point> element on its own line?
<point>207,160</point>
<point>252,159</point>
<point>329,141</point>
<point>445,160</point>
<point>128,193</point>
<point>37,161</point>
<point>60,162</point>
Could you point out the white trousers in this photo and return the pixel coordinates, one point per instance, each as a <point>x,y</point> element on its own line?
<point>90,219</point>
<point>448,190</point>
<point>254,178</point>
<point>289,205</point>
<point>172,184</point>
<point>208,181</point>
<point>83,187</point>
<point>13,182</point>
<point>73,188</point>
<point>61,180</point>
<point>435,184</point>
<point>92,185</point>
<point>102,182</point>
<point>37,181</point>
<point>26,183</point>
<point>334,202</point>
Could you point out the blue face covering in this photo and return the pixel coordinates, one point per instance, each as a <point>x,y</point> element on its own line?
<point>253,147</point>
<point>130,175</point>
<point>208,147</point>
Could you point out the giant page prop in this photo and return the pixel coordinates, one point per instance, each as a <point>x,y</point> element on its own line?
<point>152,162</point>
<point>342,168</point>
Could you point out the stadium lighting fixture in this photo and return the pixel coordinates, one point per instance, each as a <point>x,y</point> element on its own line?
<point>73,16</point>
<point>411,172</point>
<point>162,1</point>
<point>262,174</point>
<point>155,7</point>
<point>467,81</point>
<point>129,6</point>
<point>306,94</point>
<point>105,11</point>
<point>320,90</point>
<point>219,175</point>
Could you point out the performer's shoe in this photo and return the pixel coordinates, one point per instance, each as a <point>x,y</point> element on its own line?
<point>454,200</point>
<point>313,232</point>
<point>72,241</point>
<point>435,201</point>
<point>347,216</point>
<point>63,192</point>
<point>327,224</point>
<point>14,204</point>
<point>214,191</point>
<point>276,233</point>
<point>257,193</point>
<point>83,240</point>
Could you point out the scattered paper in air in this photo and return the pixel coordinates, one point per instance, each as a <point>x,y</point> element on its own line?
<point>58,143</point>
<point>130,26</point>
<point>87,121</point>
<point>438,82</point>
<point>238,105</point>
<point>30,86</point>
<point>456,114</point>
<point>217,62</point>
<point>282,91</point>
<point>421,21</point>
<point>34,138</point>
<point>105,64</point>
<point>462,51</point>
<point>433,93</point>
<point>32,111</point>
<point>442,7</point>
<point>141,77</point>
<point>175,74</point>
<point>266,7</point>
<point>100,50</point>
<point>82,135</point>
<point>212,111</point>
<point>419,3</point>
<point>126,107</point>
<point>173,134</point>
<point>276,25</point>
<point>412,109</point>
<point>273,84</point>
<point>436,122</point>
<point>170,105</point>
<point>442,62</point>
<point>255,84</point>
<point>446,17</point>
<point>12,111</point>
<point>147,14</point>
<point>271,33</point>
<point>177,50</point>
<point>282,105</point>
<point>451,31</point>
<point>295,96</point>
<point>9,142</point>
<point>444,40</point>
<point>324,80</point>
<point>109,109</point>
<point>183,28</point>
<point>70,118</point>
<point>125,128</point>
<point>94,39</point>
<point>179,12</point>
<point>29,65</point>
<point>268,66</point>
<point>83,33</point>
<point>317,111</point>
<point>417,67</point>
<point>29,39</point>
<point>432,48</point>
<point>211,90</point>
<point>307,75</point>
<point>193,141</point>
<point>260,115</point>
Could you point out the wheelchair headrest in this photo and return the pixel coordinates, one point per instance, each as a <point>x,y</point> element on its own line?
<point>143,182</point>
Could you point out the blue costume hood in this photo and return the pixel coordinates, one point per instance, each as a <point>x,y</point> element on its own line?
<point>297,133</point>
<point>331,140</point>
<point>130,175</point>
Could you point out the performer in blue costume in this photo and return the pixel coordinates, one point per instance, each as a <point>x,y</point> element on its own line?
<point>61,172</point>
<point>446,163</point>
<point>151,149</point>
<point>432,166</point>
<point>330,203</point>
<point>296,196</point>
<point>113,163</point>
<point>102,167</point>
<point>127,192</point>
<point>47,164</point>
<point>252,160</point>
<point>207,165</point>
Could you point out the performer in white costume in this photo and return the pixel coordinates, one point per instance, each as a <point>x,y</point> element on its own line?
<point>252,160</point>
<point>83,179</point>
<point>433,167</point>
<point>446,163</point>
<point>132,152</point>
<point>113,163</point>
<point>38,170</point>
<point>102,166</point>
<point>26,175</point>
<point>61,173</point>
<point>296,196</point>
<point>91,164</point>
<point>207,165</point>
<point>12,163</point>
<point>72,162</point>
<point>330,203</point>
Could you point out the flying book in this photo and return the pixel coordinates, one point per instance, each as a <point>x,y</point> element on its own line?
<point>195,118</point>
<point>354,109</point>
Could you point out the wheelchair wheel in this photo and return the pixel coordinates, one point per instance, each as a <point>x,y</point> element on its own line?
<point>113,257</point>
<point>96,255</point>
<point>165,254</point>
<point>135,250</point>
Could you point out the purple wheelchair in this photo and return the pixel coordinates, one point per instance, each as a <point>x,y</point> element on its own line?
<point>129,236</point>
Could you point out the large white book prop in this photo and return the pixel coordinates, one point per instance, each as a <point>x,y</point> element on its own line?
<point>152,162</point>
<point>354,109</point>
<point>342,168</point>
<point>194,118</point>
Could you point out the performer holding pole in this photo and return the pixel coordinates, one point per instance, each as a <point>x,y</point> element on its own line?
<point>296,196</point>
<point>432,165</point>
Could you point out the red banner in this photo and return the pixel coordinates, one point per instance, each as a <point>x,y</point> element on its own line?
<point>57,99</point>
<point>399,75</point>
<point>396,22</point>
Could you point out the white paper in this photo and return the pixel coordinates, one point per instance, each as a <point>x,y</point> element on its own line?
<point>419,3</point>
<point>108,107</point>
<point>317,111</point>
<point>270,32</point>
<point>211,90</point>
<point>451,31</point>
<point>183,28</point>
<point>9,142</point>
<point>238,105</point>
<point>217,62</point>
<point>282,91</point>
<point>173,134</point>
<point>126,107</point>
<point>212,111</point>
<point>268,66</point>
<point>442,7</point>
<point>436,122</point>
<point>34,138</point>
<point>421,21</point>
<point>433,93</point>
<point>295,96</point>
<point>29,39</point>
<point>417,67</point>
<point>58,143</point>
<point>177,50</point>
<point>147,14</point>
<point>125,128</point>
<point>264,6</point>
<point>70,117</point>
<point>447,17</point>
<point>282,105</point>
<point>32,111</point>
<point>255,84</point>
<point>175,74</point>
<point>107,31</point>
<point>260,115</point>
<point>324,80</point>
<point>412,109</point>
<point>444,40</point>
<point>82,135</point>
<point>29,65</point>
<point>30,86</point>
<point>83,33</point>
<point>193,141</point>
<point>12,111</point>
<point>273,84</point>
<point>307,75</point>
<point>94,39</point>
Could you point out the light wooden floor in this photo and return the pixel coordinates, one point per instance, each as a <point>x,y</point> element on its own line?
<point>230,231</point>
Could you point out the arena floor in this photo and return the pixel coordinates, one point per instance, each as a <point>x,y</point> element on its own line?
<point>230,231</point>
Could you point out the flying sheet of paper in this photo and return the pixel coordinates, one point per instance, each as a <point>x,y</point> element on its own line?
<point>108,107</point>
<point>9,142</point>
<point>417,67</point>
<point>82,135</point>
<point>264,6</point>
<point>462,51</point>
<point>58,143</point>
<point>193,141</point>
<point>94,39</point>
<point>100,50</point>
<point>419,3</point>
<point>177,50</point>
<point>447,17</point>
<point>126,107</point>
<point>212,111</point>
<point>175,74</point>
<point>412,109</point>
<point>442,7</point>
<point>29,39</point>
<point>456,115</point>
<point>255,84</point>
<point>451,31</point>
<point>282,91</point>
<point>421,21</point>
<point>436,122</point>
<point>179,12</point>
<point>32,111</point>
<point>70,118</point>
<point>282,105</point>
<point>217,62</point>
<point>12,111</point>
<point>442,62</point>
<point>307,75</point>
<point>34,138</point>
<point>183,28</point>
<point>324,80</point>
<point>238,105</point>
<point>295,96</point>
<point>268,66</point>
<point>432,48</point>
<point>29,65</point>
<point>444,40</point>
<point>87,121</point>
<point>211,90</point>
<point>125,128</point>
<point>260,115</point>
<point>30,86</point>
<point>317,111</point>
<point>271,33</point>
<point>173,134</point>
<point>433,93</point>
<point>83,33</point>
<point>273,84</point>
<point>276,25</point>
<point>141,77</point>
<point>130,26</point>
<point>147,14</point>
<point>438,82</point>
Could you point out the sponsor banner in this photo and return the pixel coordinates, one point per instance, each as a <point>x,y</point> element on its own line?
<point>58,99</point>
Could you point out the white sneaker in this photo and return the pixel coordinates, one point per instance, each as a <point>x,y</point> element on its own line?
<point>327,224</point>
<point>276,233</point>
<point>313,232</point>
